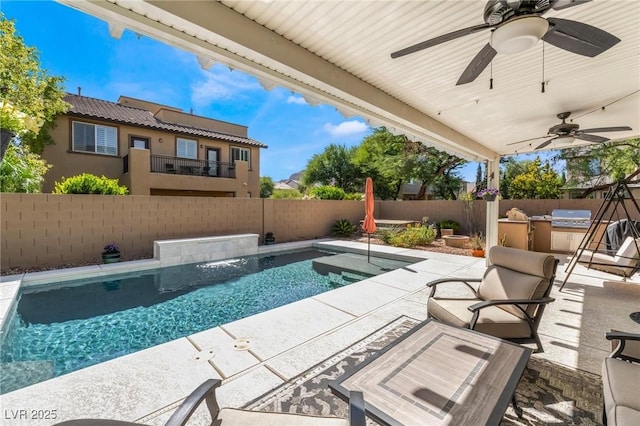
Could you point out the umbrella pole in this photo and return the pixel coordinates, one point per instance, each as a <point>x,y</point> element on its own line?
<point>369,248</point>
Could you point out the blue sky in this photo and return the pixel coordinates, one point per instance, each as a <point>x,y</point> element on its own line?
<point>78,47</point>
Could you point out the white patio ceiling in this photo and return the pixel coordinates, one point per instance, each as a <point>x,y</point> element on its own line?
<point>338,52</point>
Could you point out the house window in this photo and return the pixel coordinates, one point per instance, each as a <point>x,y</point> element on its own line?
<point>186,148</point>
<point>138,142</point>
<point>241,154</point>
<point>95,138</point>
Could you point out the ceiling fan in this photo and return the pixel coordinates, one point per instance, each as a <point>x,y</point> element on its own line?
<point>567,132</point>
<point>516,26</point>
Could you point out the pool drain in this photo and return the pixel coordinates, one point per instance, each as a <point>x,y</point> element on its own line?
<point>241,344</point>
<point>204,355</point>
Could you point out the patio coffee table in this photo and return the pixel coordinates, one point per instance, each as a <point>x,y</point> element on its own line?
<point>437,374</point>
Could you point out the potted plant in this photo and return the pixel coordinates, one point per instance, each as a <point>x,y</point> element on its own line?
<point>269,238</point>
<point>111,253</point>
<point>477,245</point>
<point>489,194</point>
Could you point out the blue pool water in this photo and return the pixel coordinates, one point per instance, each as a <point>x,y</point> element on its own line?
<point>85,322</point>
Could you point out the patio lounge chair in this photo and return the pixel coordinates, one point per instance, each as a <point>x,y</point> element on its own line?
<point>620,378</point>
<point>509,300</point>
<point>232,416</point>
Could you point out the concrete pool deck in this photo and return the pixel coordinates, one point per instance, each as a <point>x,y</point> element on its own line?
<point>146,386</point>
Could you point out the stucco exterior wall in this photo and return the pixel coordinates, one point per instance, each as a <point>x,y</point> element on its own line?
<point>67,162</point>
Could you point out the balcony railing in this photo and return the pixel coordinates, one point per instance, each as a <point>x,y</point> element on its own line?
<point>185,166</point>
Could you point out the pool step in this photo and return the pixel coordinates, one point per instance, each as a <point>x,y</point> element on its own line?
<point>356,264</point>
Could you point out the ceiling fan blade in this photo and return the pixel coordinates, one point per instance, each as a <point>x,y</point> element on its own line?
<point>545,143</point>
<point>591,138</point>
<point>578,37</point>
<point>606,129</point>
<point>564,4</point>
<point>477,65</point>
<point>440,39</point>
<point>528,140</point>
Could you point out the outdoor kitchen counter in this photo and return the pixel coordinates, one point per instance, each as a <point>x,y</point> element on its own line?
<point>515,233</point>
<point>542,235</point>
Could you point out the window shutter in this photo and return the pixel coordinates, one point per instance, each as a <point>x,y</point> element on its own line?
<point>83,137</point>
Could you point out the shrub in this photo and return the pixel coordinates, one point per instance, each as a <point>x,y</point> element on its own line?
<point>87,183</point>
<point>328,192</point>
<point>354,196</point>
<point>450,224</point>
<point>286,194</point>
<point>343,228</point>
<point>477,241</point>
<point>388,234</point>
<point>413,236</point>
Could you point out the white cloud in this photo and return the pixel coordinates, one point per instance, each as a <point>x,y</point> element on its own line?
<point>219,84</point>
<point>346,128</point>
<point>292,99</point>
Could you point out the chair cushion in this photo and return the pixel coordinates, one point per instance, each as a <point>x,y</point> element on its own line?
<point>606,263</point>
<point>492,320</point>
<point>620,385</point>
<point>230,416</point>
<point>527,262</point>
<point>501,283</point>
<point>627,254</point>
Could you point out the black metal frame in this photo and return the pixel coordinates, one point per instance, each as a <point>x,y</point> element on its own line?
<point>622,337</point>
<point>206,392</point>
<point>615,195</point>
<point>191,167</point>
<point>532,321</point>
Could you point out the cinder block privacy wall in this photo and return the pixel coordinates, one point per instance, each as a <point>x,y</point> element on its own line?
<point>54,230</point>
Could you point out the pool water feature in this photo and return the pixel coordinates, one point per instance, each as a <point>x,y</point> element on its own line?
<point>84,322</point>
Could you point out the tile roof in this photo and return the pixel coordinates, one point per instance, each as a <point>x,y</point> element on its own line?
<point>98,108</point>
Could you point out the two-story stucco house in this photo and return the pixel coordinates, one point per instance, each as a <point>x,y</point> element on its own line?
<point>153,149</point>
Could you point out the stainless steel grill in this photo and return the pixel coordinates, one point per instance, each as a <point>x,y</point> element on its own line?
<point>570,218</point>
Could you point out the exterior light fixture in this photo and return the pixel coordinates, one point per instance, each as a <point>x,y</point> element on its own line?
<point>564,139</point>
<point>519,34</point>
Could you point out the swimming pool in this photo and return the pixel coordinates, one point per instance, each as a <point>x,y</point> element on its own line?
<point>85,322</point>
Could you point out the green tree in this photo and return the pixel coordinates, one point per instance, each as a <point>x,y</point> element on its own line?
<point>392,161</point>
<point>538,182</point>
<point>387,159</point>
<point>438,169</point>
<point>29,98</point>
<point>333,166</point>
<point>479,181</point>
<point>510,168</point>
<point>266,187</point>
<point>22,170</point>
<point>599,166</point>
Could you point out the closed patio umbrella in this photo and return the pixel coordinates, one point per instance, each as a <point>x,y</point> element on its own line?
<point>369,224</point>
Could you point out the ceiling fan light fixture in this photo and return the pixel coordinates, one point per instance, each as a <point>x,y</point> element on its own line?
<point>564,139</point>
<point>519,34</point>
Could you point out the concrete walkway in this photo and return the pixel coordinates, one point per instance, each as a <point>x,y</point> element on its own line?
<point>147,386</point>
